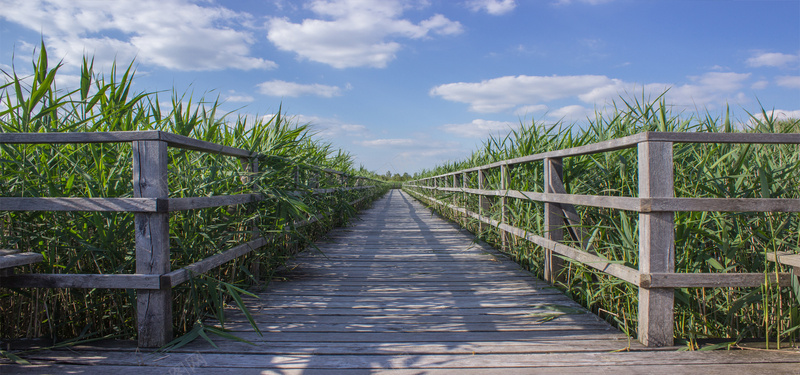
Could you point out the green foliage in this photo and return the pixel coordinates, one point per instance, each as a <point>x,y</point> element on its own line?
<point>705,241</point>
<point>100,243</point>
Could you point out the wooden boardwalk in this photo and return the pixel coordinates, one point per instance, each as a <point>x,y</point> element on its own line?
<point>405,292</point>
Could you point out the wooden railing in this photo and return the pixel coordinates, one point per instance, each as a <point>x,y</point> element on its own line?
<point>655,204</point>
<point>151,205</point>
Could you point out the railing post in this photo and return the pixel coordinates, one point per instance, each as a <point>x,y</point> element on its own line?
<point>153,307</point>
<point>504,213</point>
<point>656,244</point>
<point>455,199</point>
<point>553,217</point>
<point>249,179</point>
<point>464,196</point>
<point>484,204</point>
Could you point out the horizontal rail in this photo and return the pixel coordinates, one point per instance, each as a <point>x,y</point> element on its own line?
<point>154,205</point>
<point>712,280</point>
<point>642,204</point>
<point>85,281</point>
<point>633,140</point>
<point>173,140</point>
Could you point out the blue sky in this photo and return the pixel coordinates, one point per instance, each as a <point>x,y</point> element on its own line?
<point>405,85</point>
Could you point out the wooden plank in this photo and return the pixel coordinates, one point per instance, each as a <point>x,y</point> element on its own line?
<point>79,137</point>
<point>8,251</point>
<point>656,244</point>
<point>622,368</point>
<point>634,140</point>
<point>605,146</point>
<point>83,204</point>
<point>182,275</point>
<point>720,204</point>
<point>553,361</point>
<point>697,137</point>
<point>188,143</point>
<point>357,321</point>
<point>83,281</point>
<point>153,307</point>
<point>19,259</point>
<point>786,258</point>
<point>711,280</point>
<point>193,203</point>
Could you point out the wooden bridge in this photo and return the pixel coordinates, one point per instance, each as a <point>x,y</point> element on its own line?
<point>405,292</point>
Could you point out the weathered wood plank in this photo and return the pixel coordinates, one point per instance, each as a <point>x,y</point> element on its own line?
<point>645,204</point>
<point>711,280</point>
<point>785,257</point>
<point>90,281</point>
<point>79,137</point>
<point>182,275</point>
<point>19,259</point>
<point>554,361</point>
<point>153,307</point>
<point>656,244</point>
<point>361,321</point>
<point>633,140</point>
<point>193,203</point>
<point>83,204</point>
<point>620,368</point>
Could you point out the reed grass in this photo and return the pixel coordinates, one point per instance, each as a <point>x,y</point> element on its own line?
<point>78,242</point>
<point>705,241</point>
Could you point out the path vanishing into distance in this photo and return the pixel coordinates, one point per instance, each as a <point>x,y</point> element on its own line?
<point>403,291</point>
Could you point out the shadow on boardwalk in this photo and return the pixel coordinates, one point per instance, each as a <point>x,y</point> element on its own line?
<point>405,292</point>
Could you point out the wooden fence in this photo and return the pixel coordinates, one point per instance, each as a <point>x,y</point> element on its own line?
<point>655,204</point>
<point>151,205</point>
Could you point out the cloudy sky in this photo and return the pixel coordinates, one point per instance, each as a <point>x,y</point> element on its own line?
<point>407,84</point>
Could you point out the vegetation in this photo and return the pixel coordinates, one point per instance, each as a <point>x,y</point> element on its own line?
<point>77,242</point>
<point>705,241</point>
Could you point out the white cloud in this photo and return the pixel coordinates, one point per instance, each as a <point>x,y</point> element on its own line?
<point>528,109</point>
<point>792,82</point>
<point>502,93</point>
<point>590,2</point>
<point>532,92</point>
<point>760,85</point>
<point>389,142</point>
<point>233,97</point>
<point>494,7</point>
<point>354,33</point>
<point>773,59</point>
<point>175,34</point>
<point>777,114</point>
<point>422,151</point>
<point>328,128</point>
<point>479,128</point>
<point>571,112</point>
<point>292,89</point>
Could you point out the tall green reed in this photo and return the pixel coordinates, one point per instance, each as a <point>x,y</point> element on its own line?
<point>77,242</point>
<point>705,241</point>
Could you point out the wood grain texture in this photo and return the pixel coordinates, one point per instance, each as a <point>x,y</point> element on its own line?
<point>554,217</point>
<point>153,307</point>
<point>82,204</point>
<point>656,244</point>
<point>386,296</point>
<point>81,281</point>
<point>19,259</point>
